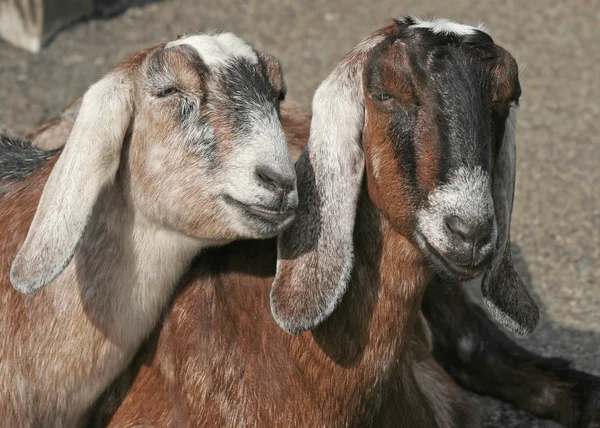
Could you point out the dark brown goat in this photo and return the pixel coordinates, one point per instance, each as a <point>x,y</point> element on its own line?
<point>219,358</point>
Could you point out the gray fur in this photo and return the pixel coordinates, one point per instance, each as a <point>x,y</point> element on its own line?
<point>20,158</point>
<point>503,291</point>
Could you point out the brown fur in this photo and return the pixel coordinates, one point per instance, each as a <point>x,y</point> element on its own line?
<point>342,371</point>
<point>389,184</point>
<point>219,359</point>
<point>295,119</point>
<point>157,397</point>
<point>54,133</point>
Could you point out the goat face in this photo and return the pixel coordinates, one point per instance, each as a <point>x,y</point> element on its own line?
<point>208,156</point>
<point>436,109</point>
<point>190,132</point>
<point>428,108</point>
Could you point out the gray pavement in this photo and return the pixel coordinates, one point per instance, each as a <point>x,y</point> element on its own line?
<point>556,222</point>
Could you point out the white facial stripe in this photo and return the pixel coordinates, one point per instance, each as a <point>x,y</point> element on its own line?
<point>467,194</point>
<point>263,144</point>
<point>446,26</point>
<point>237,47</point>
<point>217,49</point>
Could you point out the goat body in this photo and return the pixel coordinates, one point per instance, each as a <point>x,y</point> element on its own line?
<point>219,359</point>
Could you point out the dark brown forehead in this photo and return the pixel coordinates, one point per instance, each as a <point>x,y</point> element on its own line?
<point>389,70</point>
<point>416,54</point>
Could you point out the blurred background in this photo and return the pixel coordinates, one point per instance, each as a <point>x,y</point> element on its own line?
<point>556,219</point>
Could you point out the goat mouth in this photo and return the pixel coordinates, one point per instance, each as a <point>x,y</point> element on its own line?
<point>463,272</point>
<point>269,214</point>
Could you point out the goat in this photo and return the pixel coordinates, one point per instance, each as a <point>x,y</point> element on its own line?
<point>178,149</point>
<point>416,117</point>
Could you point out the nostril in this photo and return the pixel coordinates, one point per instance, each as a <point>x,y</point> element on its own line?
<point>458,226</point>
<point>274,180</point>
<point>472,232</point>
<point>265,178</point>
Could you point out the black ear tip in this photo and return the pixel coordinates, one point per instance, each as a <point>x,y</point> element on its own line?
<point>508,300</point>
<point>521,323</point>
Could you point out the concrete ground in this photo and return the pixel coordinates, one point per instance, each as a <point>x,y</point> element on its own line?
<point>556,221</point>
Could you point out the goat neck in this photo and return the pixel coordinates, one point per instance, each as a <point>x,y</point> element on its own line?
<point>376,316</point>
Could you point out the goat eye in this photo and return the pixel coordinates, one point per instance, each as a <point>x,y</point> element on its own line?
<point>166,92</point>
<point>382,97</point>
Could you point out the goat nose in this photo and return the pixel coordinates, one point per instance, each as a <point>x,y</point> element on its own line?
<point>275,180</point>
<point>469,232</point>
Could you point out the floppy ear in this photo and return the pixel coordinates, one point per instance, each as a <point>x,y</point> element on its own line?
<point>504,293</point>
<point>315,254</point>
<point>88,163</point>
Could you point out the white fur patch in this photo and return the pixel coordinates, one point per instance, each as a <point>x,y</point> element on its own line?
<point>467,195</point>
<point>442,25</point>
<point>262,145</point>
<point>217,49</point>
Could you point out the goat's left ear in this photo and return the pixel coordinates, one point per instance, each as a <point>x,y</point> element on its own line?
<point>315,254</point>
<point>87,164</point>
<point>504,293</point>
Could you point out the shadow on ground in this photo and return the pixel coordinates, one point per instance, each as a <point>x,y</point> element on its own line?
<point>498,414</point>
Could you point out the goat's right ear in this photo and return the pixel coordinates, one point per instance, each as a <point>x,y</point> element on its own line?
<point>504,293</point>
<point>88,163</point>
<point>315,254</point>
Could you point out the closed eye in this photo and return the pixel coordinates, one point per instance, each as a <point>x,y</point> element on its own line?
<point>382,97</point>
<point>167,91</point>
